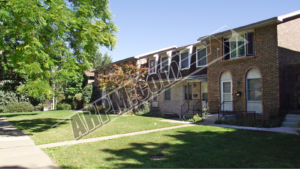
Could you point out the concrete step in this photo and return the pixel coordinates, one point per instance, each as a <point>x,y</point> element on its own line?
<point>211,117</point>
<point>295,120</point>
<point>296,116</point>
<point>289,124</point>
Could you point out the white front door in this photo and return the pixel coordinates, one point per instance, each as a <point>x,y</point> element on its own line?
<point>226,96</point>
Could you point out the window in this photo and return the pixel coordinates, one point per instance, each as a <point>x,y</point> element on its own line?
<point>152,66</point>
<point>184,62</point>
<point>104,72</point>
<point>164,64</point>
<point>254,89</point>
<point>201,57</point>
<point>186,93</point>
<point>167,94</point>
<point>154,94</point>
<point>236,46</point>
<point>226,91</point>
<point>204,96</point>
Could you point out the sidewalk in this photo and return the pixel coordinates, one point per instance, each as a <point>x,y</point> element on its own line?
<point>17,150</point>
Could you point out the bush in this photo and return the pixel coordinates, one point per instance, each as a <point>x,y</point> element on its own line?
<point>63,106</point>
<point>145,110</point>
<point>194,119</point>
<point>39,107</point>
<point>19,107</point>
<point>93,109</point>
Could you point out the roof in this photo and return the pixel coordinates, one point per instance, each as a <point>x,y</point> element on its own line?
<point>155,52</point>
<point>262,23</point>
<point>119,61</point>
<point>89,73</point>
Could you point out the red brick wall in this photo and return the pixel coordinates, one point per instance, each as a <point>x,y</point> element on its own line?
<point>265,59</point>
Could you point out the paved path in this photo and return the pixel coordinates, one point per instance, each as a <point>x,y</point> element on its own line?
<point>288,130</point>
<point>17,150</point>
<point>110,137</point>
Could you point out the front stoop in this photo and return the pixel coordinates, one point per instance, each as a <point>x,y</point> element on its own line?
<point>291,120</point>
<point>211,118</point>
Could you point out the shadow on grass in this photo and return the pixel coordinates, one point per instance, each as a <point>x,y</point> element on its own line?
<point>6,115</point>
<point>35,125</point>
<point>193,149</point>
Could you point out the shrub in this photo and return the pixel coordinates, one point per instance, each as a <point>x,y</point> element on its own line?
<point>39,107</point>
<point>145,110</point>
<point>63,106</point>
<point>19,107</point>
<point>195,119</point>
<point>99,109</point>
<point>87,94</point>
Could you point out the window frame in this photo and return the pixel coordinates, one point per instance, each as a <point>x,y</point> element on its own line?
<point>189,50</point>
<point>201,48</point>
<point>153,59</point>
<point>222,90</point>
<point>237,47</point>
<point>246,53</point>
<point>167,88</point>
<point>247,90</point>
<point>168,63</point>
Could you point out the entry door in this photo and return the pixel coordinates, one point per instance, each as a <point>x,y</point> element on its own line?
<point>226,96</point>
<point>154,98</point>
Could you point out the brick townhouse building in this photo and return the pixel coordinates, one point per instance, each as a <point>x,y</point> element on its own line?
<point>253,68</point>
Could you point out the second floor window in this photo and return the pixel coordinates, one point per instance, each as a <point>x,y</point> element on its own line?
<point>164,64</point>
<point>201,57</point>
<point>238,46</point>
<point>184,62</point>
<point>152,66</point>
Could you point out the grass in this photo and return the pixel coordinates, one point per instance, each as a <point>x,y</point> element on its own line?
<point>189,147</point>
<point>38,125</point>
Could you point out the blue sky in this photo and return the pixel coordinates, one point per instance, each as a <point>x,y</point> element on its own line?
<point>147,25</point>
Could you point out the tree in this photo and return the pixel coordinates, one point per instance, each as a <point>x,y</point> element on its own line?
<point>38,36</point>
<point>101,60</point>
<point>127,77</point>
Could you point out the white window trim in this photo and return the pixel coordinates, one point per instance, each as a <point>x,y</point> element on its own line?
<point>189,49</point>
<point>237,47</point>
<point>155,57</point>
<point>201,47</point>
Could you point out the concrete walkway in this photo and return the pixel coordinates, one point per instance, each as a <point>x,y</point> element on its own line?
<point>288,130</point>
<point>110,137</point>
<point>17,150</point>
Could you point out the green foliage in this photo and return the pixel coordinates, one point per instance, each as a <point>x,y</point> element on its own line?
<point>145,110</point>
<point>39,107</point>
<point>87,93</point>
<point>78,97</point>
<point>63,106</point>
<point>96,109</point>
<point>19,107</point>
<point>194,119</point>
<point>73,86</point>
<point>95,94</point>
<point>40,36</point>
<point>59,92</point>
<point>100,60</point>
<point>6,98</point>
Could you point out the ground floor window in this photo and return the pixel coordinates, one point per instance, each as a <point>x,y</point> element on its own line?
<point>167,94</point>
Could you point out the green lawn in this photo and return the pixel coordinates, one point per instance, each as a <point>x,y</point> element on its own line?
<point>38,125</point>
<point>189,147</point>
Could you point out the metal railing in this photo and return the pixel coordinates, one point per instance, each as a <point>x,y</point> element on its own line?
<point>187,106</point>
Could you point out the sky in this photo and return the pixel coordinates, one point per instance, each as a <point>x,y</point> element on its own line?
<point>147,25</point>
